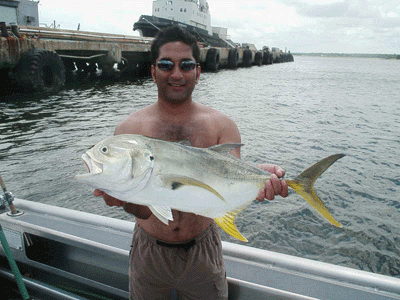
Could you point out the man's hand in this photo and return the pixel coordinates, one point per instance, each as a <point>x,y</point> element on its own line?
<point>139,211</point>
<point>110,201</point>
<point>273,186</point>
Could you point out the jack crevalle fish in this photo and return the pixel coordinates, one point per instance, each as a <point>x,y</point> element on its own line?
<point>206,181</point>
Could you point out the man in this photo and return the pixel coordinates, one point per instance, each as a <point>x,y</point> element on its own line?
<point>185,255</point>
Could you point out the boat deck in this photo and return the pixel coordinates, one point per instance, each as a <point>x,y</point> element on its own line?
<point>76,254</point>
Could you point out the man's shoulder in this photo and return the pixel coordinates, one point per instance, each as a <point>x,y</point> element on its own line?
<point>220,125</point>
<point>212,113</point>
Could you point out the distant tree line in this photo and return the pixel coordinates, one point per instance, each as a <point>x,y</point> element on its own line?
<point>384,56</point>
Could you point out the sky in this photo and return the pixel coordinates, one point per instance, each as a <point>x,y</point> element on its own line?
<point>301,26</point>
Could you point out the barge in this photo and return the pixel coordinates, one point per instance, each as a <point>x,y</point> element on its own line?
<point>41,59</point>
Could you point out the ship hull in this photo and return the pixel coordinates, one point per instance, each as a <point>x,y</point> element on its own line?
<point>149,26</point>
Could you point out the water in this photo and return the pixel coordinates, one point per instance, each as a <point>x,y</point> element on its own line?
<point>291,114</point>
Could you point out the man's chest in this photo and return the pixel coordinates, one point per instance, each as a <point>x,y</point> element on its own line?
<point>199,135</point>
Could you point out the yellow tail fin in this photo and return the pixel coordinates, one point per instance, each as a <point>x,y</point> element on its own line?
<point>227,223</point>
<point>303,185</point>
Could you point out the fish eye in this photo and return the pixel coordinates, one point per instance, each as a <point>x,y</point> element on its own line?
<point>104,149</point>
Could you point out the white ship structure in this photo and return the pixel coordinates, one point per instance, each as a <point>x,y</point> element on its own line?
<point>193,15</point>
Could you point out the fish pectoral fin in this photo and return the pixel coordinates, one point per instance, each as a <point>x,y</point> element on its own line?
<point>163,213</point>
<point>187,143</point>
<point>175,182</point>
<point>225,149</point>
<point>227,223</point>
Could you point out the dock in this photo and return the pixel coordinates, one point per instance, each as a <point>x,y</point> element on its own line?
<point>40,58</point>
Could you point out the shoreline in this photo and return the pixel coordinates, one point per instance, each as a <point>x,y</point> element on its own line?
<point>360,55</point>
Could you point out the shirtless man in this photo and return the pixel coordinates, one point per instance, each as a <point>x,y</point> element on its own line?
<point>185,255</point>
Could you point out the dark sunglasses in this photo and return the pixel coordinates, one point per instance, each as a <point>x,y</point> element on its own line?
<point>167,65</point>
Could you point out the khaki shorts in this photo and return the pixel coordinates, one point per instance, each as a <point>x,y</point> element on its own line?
<point>195,270</point>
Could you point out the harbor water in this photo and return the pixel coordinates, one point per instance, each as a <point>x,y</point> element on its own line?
<point>290,114</point>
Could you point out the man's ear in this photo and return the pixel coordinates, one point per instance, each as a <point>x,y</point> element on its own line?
<point>153,73</point>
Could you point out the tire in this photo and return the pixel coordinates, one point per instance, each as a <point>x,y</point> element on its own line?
<point>40,71</point>
<point>258,59</point>
<point>247,56</point>
<point>233,58</point>
<point>212,60</point>
<point>267,58</point>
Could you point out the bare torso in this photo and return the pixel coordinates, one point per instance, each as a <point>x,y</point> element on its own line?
<point>203,127</point>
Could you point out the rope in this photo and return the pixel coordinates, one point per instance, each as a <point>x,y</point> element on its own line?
<point>13,265</point>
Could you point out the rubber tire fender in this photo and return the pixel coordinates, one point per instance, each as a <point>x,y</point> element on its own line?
<point>258,59</point>
<point>40,71</point>
<point>247,56</point>
<point>233,58</point>
<point>212,60</point>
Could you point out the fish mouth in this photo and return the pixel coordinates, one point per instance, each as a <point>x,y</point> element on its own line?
<point>93,166</point>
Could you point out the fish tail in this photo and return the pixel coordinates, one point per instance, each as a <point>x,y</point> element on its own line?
<point>303,184</point>
<point>227,223</point>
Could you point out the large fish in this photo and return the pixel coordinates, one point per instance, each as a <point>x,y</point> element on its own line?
<point>206,181</point>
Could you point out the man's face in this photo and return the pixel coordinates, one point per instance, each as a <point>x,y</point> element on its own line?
<point>175,85</point>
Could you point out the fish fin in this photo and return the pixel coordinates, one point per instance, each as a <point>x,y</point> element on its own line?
<point>303,185</point>
<point>163,213</point>
<point>227,223</point>
<point>175,182</point>
<point>184,143</point>
<point>225,148</point>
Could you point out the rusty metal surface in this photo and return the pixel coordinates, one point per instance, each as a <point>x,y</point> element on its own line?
<point>11,49</point>
<point>69,42</point>
<point>42,32</point>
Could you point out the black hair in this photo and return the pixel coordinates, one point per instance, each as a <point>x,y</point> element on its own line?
<point>174,33</point>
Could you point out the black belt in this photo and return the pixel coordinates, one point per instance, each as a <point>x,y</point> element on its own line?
<point>185,246</point>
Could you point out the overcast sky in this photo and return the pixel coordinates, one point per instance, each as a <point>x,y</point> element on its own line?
<point>340,26</point>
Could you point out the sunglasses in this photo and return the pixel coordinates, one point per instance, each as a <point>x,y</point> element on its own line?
<point>167,65</point>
